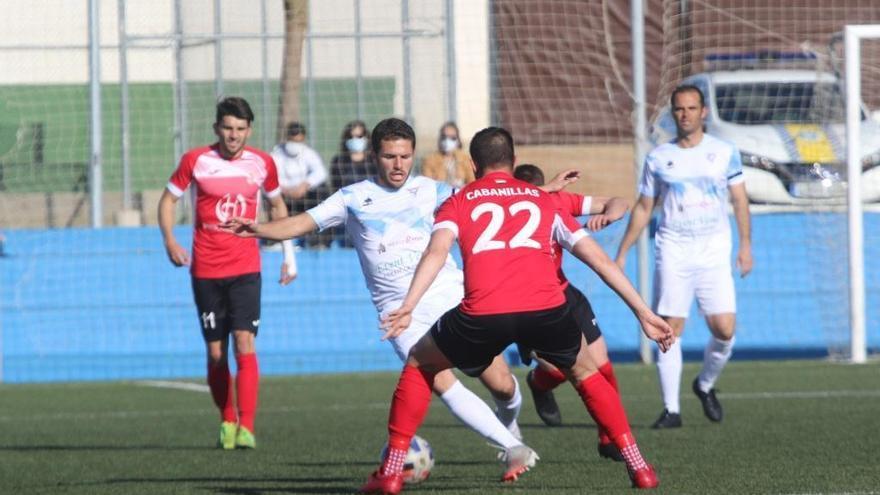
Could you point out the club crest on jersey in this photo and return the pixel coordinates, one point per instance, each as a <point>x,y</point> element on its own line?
<point>228,207</point>
<point>381,248</point>
<point>710,157</point>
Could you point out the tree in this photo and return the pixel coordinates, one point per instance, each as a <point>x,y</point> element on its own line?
<point>296,22</point>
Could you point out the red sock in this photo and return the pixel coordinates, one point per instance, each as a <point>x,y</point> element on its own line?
<point>608,372</point>
<point>408,409</point>
<point>545,380</point>
<point>603,404</point>
<point>247,386</point>
<point>220,383</point>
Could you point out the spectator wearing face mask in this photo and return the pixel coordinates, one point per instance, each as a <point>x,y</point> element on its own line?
<point>302,175</point>
<point>353,163</point>
<point>449,163</point>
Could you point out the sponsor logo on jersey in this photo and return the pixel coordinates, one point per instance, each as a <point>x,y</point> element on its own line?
<point>710,157</point>
<point>367,202</point>
<point>255,323</point>
<point>669,164</point>
<point>228,207</point>
<point>413,190</point>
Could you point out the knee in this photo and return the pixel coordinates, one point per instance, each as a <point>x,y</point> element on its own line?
<point>216,357</point>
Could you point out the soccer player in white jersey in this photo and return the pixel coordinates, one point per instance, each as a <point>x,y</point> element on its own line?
<point>693,177</point>
<point>389,219</point>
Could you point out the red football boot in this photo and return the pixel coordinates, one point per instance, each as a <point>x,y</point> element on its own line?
<point>391,484</point>
<point>644,478</point>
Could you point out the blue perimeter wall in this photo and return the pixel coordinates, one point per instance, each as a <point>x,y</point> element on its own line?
<point>83,304</point>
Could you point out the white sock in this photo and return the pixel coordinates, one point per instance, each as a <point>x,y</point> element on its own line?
<point>508,410</point>
<point>669,372</point>
<point>476,414</point>
<point>715,357</point>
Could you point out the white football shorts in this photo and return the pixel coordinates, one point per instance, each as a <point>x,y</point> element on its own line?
<point>433,305</point>
<point>694,267</point>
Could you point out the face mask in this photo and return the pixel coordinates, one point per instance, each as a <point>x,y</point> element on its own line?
<point>356,145</point>
<point>448,145</point>
<point>293,149</point>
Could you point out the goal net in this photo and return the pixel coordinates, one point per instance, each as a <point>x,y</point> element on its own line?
<point>83,303</point>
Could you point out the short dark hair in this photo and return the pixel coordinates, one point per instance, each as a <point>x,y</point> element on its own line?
<point>236,107</point>
<point>295,129</point>
<point>492,146</point>
<point>390,129</point>
<point>529,173</point>
<point>686,88</point>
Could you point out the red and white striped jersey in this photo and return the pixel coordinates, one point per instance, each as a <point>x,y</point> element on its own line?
<point>224,189</point>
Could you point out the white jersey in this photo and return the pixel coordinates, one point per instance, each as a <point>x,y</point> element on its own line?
<point>693,186</point>
<point>298,163</point>
<point>390,229</point>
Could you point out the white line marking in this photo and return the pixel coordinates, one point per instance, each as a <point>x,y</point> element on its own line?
<point>194,387</point>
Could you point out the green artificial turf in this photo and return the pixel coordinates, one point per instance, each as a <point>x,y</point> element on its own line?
<point>795,427</point>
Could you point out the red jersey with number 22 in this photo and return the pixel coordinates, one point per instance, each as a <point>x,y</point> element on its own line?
<point>224,189</point>
<point>506,228</point>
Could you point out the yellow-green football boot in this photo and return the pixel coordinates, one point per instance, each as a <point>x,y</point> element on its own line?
<point>227,435</point>
<point>245,439</point>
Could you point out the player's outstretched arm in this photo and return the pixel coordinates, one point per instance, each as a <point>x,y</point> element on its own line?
<point>429,266</point>
<point>605,211</point>
<point>655,328</point>
<point>740,201</point>
<point>641,215</point>
<point>561,181</point>
<point>176,253</point>
<point>276,230</point>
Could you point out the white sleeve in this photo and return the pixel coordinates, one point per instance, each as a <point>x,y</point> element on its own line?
<point>647,186</point>
<point>317,174</point>
<point>332,211</point>
<point>565,235</point>
<point>281,166</point>
<point>587,205</point>
<point>446,224</point>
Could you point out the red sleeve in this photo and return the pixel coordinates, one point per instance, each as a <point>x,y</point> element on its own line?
<point>571,202</point>
<point>183,175</point>
<point>271,185</point>
<point>446,217</point>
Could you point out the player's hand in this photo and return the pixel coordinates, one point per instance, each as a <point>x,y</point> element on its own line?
<point>287,274</point>
<point>744,260</point>
<point>242,227</point>
<point>657,329</point>
<point>396,322</point>
<point>562,180</point>
<point>176,254</point>
<point>598,222</point>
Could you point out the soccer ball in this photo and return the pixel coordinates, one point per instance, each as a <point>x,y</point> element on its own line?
<point>419,460</point>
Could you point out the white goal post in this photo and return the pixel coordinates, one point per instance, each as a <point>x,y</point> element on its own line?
<point>853,36</point>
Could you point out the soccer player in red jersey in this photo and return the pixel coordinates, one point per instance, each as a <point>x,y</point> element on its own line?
<point>545,377</point>
<point>227,177</point>
<point>505,229</point>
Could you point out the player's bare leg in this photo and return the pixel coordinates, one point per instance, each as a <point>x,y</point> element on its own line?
<point>669,366</point>
<point>604,405</point>
<point>247,384</point>
<point>505,391</point>
<point>222,391</point>
<point>715,357</point>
